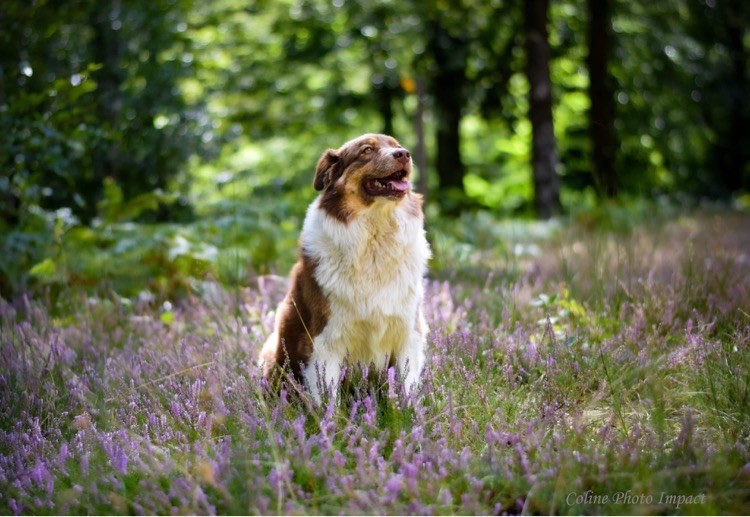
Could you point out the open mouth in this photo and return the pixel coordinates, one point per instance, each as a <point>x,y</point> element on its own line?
<point>394,185</point>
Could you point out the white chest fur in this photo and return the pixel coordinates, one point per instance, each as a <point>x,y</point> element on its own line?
<point>370,270</point>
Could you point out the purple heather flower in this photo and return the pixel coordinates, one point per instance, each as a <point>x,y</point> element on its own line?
<point>393,485</point>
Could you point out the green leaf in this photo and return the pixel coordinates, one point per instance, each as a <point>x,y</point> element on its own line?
<point>111,205</point>
<point>47,271</point>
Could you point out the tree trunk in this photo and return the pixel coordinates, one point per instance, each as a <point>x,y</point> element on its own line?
<point>734,156</point>
<point>450,53</point>
<point>106,50</point>
<point>544,152</point>
<point>420,154</point>
<point>384,94</point>
<point>602,111</point>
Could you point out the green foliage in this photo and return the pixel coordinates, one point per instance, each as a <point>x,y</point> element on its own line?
<point>165,110</point>
<point>670,72</point>
<point>152,260</point>
<point>114,207</point>
<point>89,92</point>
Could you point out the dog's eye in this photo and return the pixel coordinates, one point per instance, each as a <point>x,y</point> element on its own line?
<point>367,149</point>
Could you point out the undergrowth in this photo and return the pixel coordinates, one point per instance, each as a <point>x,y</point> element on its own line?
<point>570,370</point>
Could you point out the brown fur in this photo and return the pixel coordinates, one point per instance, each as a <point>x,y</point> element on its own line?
<point>302,315</point>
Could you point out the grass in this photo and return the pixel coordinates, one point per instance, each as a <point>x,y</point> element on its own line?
<point>577,372</point>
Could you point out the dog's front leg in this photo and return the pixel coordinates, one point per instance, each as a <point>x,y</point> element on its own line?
<point>323,373</point>
<point>411,361</point>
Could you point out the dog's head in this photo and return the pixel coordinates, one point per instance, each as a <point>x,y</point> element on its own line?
<point>362,171</point>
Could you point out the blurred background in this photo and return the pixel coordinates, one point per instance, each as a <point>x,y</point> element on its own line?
<point>149,144</point>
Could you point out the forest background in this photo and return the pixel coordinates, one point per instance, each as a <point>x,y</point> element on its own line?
<point>149,144</point>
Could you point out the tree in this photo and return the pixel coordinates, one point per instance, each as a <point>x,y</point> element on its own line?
<point>601,113</point>
<point>447,86</point>
<point>90,91</point>
<point>544,153</point>
<point>682,110</point>
<point>106,51</point>
<point>724,28</point>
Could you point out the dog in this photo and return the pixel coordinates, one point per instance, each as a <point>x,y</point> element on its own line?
<point>356,290</point>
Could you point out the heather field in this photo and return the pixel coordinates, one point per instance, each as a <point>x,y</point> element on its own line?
<point>571,370</point>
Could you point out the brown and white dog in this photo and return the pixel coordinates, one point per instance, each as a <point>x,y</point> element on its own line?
<point>356,290</point>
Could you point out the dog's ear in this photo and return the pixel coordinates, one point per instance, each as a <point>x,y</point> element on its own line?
<point>327,169</point>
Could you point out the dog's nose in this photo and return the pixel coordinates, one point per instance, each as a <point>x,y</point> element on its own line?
<point>401,154</point>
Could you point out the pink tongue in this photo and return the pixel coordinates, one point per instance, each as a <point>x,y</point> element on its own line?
<point>399,185</point>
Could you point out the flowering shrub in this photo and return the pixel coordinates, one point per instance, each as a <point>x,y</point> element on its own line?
<point>603,374</point>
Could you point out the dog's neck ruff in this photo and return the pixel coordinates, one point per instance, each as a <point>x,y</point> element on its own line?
<point>371,264</point>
